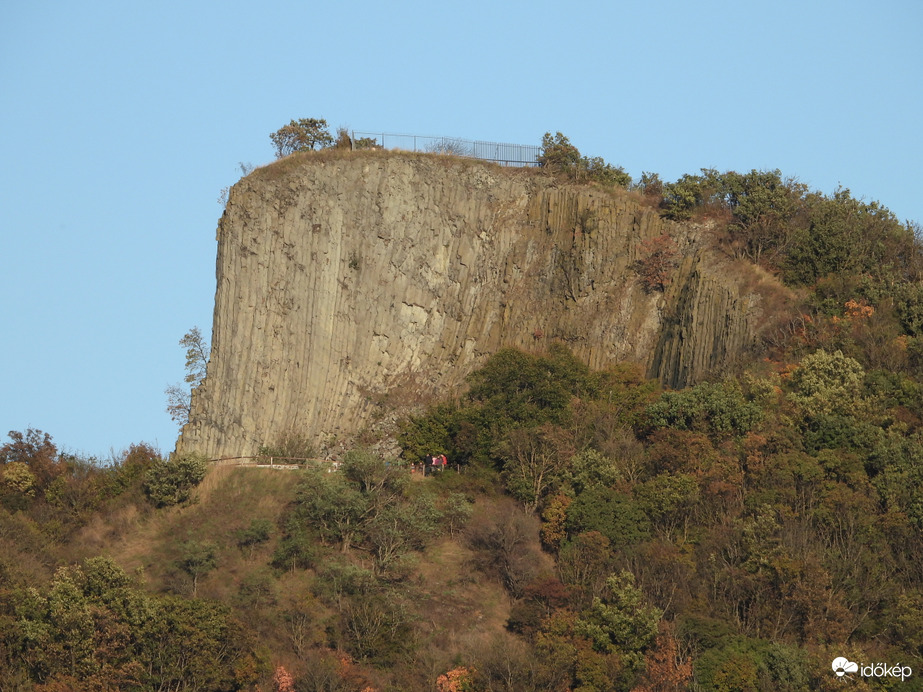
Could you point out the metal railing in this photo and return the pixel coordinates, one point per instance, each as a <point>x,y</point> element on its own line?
<point>515,155</point>
<point>274,462</point>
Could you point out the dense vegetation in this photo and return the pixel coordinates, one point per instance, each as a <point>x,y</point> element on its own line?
<point>600,533</point>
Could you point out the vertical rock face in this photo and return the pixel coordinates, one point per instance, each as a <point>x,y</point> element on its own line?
<point>350,280</point>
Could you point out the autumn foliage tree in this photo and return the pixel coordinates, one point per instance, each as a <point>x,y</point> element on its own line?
<point>657,260</point>
<point>306,134</point>
<point>665,670</point>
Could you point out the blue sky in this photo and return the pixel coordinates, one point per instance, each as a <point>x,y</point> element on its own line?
<point>120,123</point>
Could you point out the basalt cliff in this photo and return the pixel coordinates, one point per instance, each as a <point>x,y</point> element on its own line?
<point>351,282</point>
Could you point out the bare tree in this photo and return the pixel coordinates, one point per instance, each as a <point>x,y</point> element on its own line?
<point>179,397</point>
<point>452,147</point>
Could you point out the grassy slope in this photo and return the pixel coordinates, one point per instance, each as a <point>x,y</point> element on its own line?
<point>452,604</point>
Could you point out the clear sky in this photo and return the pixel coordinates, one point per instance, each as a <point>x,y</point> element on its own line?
<point>121,122</point>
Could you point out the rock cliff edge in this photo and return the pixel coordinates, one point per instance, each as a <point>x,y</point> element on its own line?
<point>349,281</point>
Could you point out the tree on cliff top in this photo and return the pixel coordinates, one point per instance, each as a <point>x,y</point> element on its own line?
<point>560,156</point>
<point>306,134</point>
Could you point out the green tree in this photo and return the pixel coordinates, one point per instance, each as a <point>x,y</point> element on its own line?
<point>331,506</point>
<point>306,134</point>
<point>650,185</point>
<point>597,170</point>
<point>93,628</point>
<point>298,547</point>
<point>713,407</point>
<point>400,528</point>
<point>690,192</point>
<point>828,383</point>
<point>37,451</point>
<point>258,532</point>
<point>197,558</point>
<point>515,389</point>
<point>170,482</point>
<point>910,308</point>
<point>429,433</point>
<point>844,235</point>
<point>533,461</point>
<point>57,629</point>
<point>668,499</point>
<point>620,622</point>
<point>17,476</point>
<point>614,514</point>
<point>764,208</point>
<point>558,154</point>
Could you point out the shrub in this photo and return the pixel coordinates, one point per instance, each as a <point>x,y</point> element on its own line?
<point>290,446</point>
<point>910,308</point>
<point>169,483</point>
<point>827,383</point>
<point>605,173</point>
<point>429,433</point>
<point>250,537</point>
<point>682,198</point>
<point>650,185</point>
<point>613,514</point>
<point>505,542</point>
<point>449,146</point>
<point>718,408</point>
<point>657,261</point>
<point>560,156</point>
<point>620,621</point>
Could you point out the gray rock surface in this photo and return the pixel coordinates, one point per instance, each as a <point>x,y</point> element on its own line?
<point>352,282</point>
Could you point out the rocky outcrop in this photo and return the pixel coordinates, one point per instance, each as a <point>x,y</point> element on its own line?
<point>349,281</point>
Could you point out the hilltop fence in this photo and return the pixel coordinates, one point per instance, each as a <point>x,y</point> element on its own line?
<point>515,155</point>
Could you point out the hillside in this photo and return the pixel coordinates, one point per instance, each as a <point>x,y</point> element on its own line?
<point>758,528</point>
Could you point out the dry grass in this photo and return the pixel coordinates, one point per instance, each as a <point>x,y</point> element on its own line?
<point>458,606</point>
<point>228,499</point>
<point>287,165</point>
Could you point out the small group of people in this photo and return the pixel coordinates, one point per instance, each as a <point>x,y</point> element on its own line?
<point>432,463</point>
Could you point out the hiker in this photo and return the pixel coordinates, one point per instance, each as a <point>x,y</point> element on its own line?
<point>427,464</point>
<point>443,461</point>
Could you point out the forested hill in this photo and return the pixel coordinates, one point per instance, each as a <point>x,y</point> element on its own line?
<point>594,530</point>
